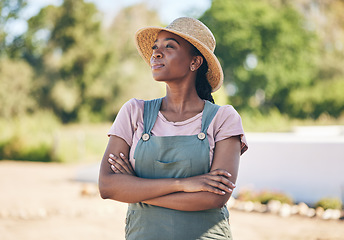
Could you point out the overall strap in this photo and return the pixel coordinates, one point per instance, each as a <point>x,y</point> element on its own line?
<point>209,113</point>
<point>150,113</point>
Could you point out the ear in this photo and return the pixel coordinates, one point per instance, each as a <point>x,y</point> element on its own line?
<point>196,63</point>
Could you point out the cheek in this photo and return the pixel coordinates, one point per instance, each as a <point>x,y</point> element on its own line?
<point>181,62</point>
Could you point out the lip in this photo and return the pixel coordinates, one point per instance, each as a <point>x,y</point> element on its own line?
<point>157,66</point>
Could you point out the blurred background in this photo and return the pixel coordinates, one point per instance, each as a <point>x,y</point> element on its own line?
<point>67,66</point>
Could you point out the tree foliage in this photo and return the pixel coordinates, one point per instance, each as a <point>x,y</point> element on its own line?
<point>325,94</point>
<point>81,71</point>
<point>131,74</point>
<point>9,11</point>
<point>15,90</point>
<point>265,51</point>
<point>64,45</point>
<point>278,57</point>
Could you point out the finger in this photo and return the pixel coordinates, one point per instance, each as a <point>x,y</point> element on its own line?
<point>212,189</point>
<point>116,165</point>
<point>220,172</point>
<point>113,159</point>
<point>220,182</point>
<point>222,176</point>
<point>124,166</point>
<point>112,156</point>
<point>220,186</point>
<point>114,169</point>
<point>223,180</point>
<point>218,178</point>
<point>128,164</point>
<point>126,160</point>
<point>119,167</point>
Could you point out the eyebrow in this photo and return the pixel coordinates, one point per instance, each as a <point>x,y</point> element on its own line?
<point>167,39</point>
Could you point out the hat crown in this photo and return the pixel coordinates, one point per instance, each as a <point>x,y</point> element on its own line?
<point>194,28</point>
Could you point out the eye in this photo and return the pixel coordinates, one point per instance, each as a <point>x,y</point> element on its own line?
<point>155,47</point>
<point>169,46</point>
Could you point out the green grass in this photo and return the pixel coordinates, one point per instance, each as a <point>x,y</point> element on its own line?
<point>28,137</point>
<point>42,137</point>
<point>81,142</point>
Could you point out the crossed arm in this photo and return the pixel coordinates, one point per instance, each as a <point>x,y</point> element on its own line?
<point>117,180</point>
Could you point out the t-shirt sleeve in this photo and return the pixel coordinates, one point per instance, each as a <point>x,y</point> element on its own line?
<point>126,121</point>
<point>228,124</point>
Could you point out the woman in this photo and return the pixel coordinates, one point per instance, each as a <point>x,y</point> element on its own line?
<point>175,159</point>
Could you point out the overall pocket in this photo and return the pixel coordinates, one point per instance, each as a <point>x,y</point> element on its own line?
<point>172,169</point>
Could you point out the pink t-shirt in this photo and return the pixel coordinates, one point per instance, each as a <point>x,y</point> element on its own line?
<point>128,125</point>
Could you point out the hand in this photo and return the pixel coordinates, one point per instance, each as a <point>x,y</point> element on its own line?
<point>215,181</point>
<point>121,165</point>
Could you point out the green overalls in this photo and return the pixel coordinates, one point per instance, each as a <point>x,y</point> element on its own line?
<point>174,157</point>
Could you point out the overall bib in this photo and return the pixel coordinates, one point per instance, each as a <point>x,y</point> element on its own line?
<point>174,157</point>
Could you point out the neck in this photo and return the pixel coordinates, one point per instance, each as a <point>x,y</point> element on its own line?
<point>181,99</point>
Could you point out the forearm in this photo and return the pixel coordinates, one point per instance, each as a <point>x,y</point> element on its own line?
<point>227,157</point>
<point>128,188</point>
<point>117,182</point>
<point>132,189</point>
<point>184,201</point>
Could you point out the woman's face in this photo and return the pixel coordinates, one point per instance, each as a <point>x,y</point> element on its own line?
<point>171,57</point>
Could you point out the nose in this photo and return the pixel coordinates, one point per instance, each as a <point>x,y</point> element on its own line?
<point>156,54</point>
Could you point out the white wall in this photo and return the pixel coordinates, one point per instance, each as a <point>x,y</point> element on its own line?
<point>307,164</point>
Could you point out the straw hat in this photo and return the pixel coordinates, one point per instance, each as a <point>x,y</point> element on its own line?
<point>194,32</point>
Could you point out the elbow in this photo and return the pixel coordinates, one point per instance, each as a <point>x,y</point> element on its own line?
<point>219,204</point>
<point>104,195</point>
<point>104,191</point>
<point>105,187</point>
<point>107,191</point>
<point>221,201</point>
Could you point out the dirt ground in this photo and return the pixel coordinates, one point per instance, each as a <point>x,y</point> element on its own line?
<point>42,201</point>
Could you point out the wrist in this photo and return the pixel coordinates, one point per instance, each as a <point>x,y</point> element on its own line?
<point>179,186</point>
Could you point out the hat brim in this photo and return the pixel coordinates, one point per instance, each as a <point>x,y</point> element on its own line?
<point>145,38</point>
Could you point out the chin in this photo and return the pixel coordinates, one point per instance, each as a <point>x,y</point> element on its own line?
<point>159,78</point>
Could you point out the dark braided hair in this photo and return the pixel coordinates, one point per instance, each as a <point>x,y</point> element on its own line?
<point>203,87</point>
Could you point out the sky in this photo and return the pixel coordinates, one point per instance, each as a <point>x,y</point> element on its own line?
<point>168,9</point>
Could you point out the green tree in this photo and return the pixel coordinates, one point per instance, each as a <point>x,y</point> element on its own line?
<point>325,95</point>
<point>82,71</point>
<point>65,46</point>
<point>130,75</point>
<point>264,49</point>
<point>15,86</point>
<point>9,11</point>
<point>15,89</point>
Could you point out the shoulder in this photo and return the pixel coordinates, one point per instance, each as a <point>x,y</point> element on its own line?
<point>227,123</point>
<point>127,120</point>
<point>226,120</point>
<point>229,109</point>
<point>133,104</point>
<point>227,113</point>
<point>130,109</point>
<point>131,112</point>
